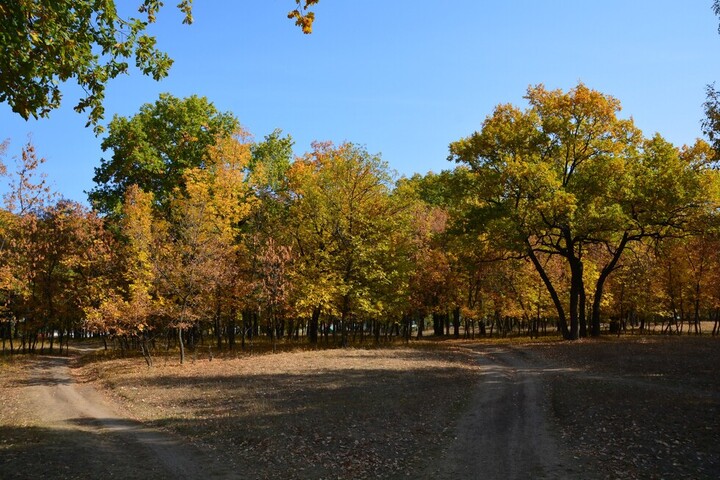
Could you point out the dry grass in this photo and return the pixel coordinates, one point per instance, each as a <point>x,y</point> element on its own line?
<point>629,407</point>
<point>640,407</point>
<point>350,413</point>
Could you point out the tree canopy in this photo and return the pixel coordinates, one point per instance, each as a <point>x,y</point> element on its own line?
<point>153,148</point>
<point>49,42</point>
<point>560,213</point>
<point>567,175</point>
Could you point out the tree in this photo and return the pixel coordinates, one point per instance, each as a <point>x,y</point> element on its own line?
<point>180,260</point>
<point>567,174</point>
<point>126,308</point>
<point>28,197</point>
<point>155,147</point>
<point>53,258</point>
<point>343,233</point>
<point>70,249</point>
<point>711,122</point>
<point>48,42</point>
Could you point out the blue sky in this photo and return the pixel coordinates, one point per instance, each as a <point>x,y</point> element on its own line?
<point>403,78</point>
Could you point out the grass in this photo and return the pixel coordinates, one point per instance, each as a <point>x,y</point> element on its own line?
<point>628,407</point>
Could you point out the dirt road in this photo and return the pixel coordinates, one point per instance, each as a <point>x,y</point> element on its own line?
<point>69,430</point>
<point>633,408</point>
<point>507,433</point>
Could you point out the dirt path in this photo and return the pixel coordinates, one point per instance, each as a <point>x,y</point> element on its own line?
<point>507,433</point>
<point>87,437</point>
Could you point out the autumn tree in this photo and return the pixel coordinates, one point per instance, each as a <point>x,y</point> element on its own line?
<point>274,284</point>
<point>342,227</point>
<point>71,247</point>
<point>195,244</point>
<point>54,257</point>
<point>437,283</point>
<point>127,308</point>
<point>567,173</point>
<point>27,197</point>
<point>153,148</point>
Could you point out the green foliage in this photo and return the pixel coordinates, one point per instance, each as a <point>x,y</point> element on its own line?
<point>270,162</point>
<point>47,42</point>
<point>567,174</point>
<point>154,148</point>
<point>343,227</point>
<point>711,122</point>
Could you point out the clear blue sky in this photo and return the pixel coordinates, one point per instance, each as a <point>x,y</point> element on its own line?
<point>404,78</point>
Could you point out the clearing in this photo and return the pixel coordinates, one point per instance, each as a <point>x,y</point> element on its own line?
<point>634,407</point>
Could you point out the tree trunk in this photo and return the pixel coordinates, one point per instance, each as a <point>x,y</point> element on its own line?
<point>343,329</point>
<point>312,329</point>
<point>696,316</point>
<point>562,319</point>
<point>146,352</point>
<point>182,347</point>
<point>438,324</point>
<point>218,326</point>
<point>456,322</point>
<point>231,329</point>
<point>582,312</point>
<point>576,286</point>
<point>600,285</point>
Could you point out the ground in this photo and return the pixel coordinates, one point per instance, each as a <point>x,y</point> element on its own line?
<point>635,407</point>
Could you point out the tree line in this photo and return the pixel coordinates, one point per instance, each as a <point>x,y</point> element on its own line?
<point>559,218</point>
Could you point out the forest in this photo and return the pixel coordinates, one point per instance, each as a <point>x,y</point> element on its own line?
<point>226,304</point>
<point>557,218</point>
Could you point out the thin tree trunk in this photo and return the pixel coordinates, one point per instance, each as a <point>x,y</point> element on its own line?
<point>182,347</point>
<point>456,322</point>
<point>600,285</point>
<point>562,319</point>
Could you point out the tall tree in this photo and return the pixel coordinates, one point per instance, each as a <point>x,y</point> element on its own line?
<point>70,247</point>
<point>342,224</point>
<point>567,173</point>
<point>25,201</point>
<point>153,148</point>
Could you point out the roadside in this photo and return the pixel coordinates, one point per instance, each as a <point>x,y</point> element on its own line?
<point>52,426</point>
<point>638,407</point>
<point>633,408</point>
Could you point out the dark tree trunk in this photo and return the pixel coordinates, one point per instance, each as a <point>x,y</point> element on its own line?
<point>182,347</point>
<point>576,286</point>
<point>231,330</point>
<point>600,285</point>
<point>312,329</point>
<point>562,320</point>
<point>438,324</point>
<point>456,322</point>
<point>218,326</point>
<point>583,313</point>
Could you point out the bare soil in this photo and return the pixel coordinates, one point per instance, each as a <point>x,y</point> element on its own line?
<point>635,407</point>
<point>638,407</point>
